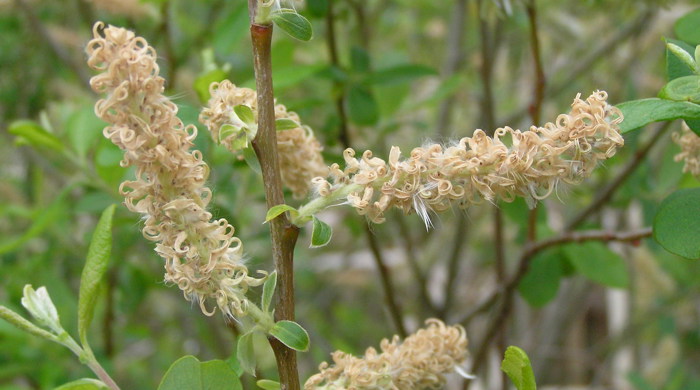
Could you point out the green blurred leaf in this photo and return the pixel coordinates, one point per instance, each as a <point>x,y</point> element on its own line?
<point>286,124</point>
<point>401,74</point>
<point>517,366</point>
<point>83,384</point>
<point>275,211</point>
<point>686,88</point>
<point>203,81</point>
<point>84,129</point>
<point>359,60</point>
<point>290,76</point>
<point>362,107</point>
<point>291,334</point>
<point>674,66</point>
<point>598,263</point>
<point>321,233</point>
<point>686,28</point>
<point>267,384</point>
<point>676,225</point>
<point>639,113</point>
<point>317,8</point>
<point>245,351</point>
<point>32,133</point>
<point>294,24</point>
<point>191,374</point>
<point>268,291</point>
<point>541,282</point>
<point>98,256</point>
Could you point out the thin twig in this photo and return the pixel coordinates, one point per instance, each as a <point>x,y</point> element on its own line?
<point>540,81</point>
<point>453,266</point>
<point>332,44</point>
<point>283,234</point>
<point>453,63</point>
<point>607,193</point>
<point>387,284</point>
<point>582,65</point>
<point>418,274</point>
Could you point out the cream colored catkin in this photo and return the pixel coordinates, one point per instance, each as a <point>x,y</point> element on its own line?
<point>477,168</point>
<point>419,362</point>
<point>201,254</point>
<point>298,149</point>
<point>690,151</point>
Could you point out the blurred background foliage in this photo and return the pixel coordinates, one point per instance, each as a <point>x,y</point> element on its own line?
<point>377,73</point>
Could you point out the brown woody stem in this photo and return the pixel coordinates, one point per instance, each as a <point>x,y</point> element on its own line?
<point>283,234</point>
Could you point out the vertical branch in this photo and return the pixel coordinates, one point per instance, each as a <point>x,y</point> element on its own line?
<point>453,266</point>
<point>540,81</point>
<point>337,86</point>
<point>387,284</point>
<point>283,234</point>
<point>418,275</point>
<point>455,57</point>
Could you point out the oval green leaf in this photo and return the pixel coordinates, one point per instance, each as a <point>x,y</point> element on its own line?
<point>267,384</point>
<point>291,334</point>
<point>245,114</point>
<point>292,23</point>
<point>286,124</point>
<point>362,107</point>
<point>277,210</point>
<point>33,134</point>
<point>268,291</point>
<point>321,233</point>
<point>245,352</point>
<point>686,28</point>
<point>95,266</point>
<point>191,374</point>
<point>676,225</point>
<point>541,282</point>
<point>675,67</point>
<point>598,263</point>
<point>639,113</point>
<point>683,89</point>
<point>517,366</point>
<point>84,384</point>
<point>401,74</point>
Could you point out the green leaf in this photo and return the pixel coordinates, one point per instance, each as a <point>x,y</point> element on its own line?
<point>292,23</point>
<point>83,384</point>
<point>359,60</point>
<point>268,291</point>
<point>84,129</point>
<point>32,133</point>
<point>517,366</point>
<point>286,124</point>
<point>639,113</point>
<point>227,131</point>
<point>267,384</point>
<point>686,88</point>
<point>245,351</point>
<point>541,282</point>
<point>245,114</point>
<point>686,28</point>
<point>401,74</point>
<point>317,8</point>
<point>95,266</point>
<point>191,374</point>
<point>598,263</point>
<point>291,334</point>
<point>694,125</point>
<point>321,233</point>
<point>683,56</point>
<point>674,66</point>
<point>25,325</point>
<point>676,225</point>
<point>277,210</point>
<point>362,107</point>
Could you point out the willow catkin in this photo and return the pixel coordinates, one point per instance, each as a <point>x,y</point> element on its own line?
<point>298,149</point>
<point>419,362</point>
<point>690,151</point>
<point>480,167</point>
<point>201,254</point>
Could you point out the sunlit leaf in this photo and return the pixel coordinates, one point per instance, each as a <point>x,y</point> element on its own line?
<point>639,113</point>
<point>517,366</point>
<point>191,374</point>
<point>291,334</point>
<point>293,24</point>
<point>321,233</point>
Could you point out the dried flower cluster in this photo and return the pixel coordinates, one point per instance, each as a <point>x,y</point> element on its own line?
<point>418,363</point>
<point>481,167</point>
<point>201,255</point>
<point>690,151</point>
<point>299,151</point>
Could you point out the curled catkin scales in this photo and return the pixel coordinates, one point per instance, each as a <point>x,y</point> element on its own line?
<point>690,151</point>
<point>419,362</point>
<point>434,176</point>
<point>299,151</point>
<point>201,255</point>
